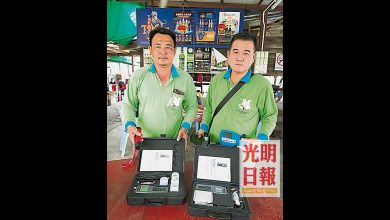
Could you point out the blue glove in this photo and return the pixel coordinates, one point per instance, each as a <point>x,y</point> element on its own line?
<point>262,136</point>
<point>128,123</point>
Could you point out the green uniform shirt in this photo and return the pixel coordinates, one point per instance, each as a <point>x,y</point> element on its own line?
<point>160,109</point>
<point>242,113</point>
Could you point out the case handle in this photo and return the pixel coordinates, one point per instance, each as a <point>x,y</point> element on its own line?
<point>218,215</point>
<point>155,202</point>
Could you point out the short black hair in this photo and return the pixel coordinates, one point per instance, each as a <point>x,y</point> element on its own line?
<point>248,36</point>
<point>162,30</point>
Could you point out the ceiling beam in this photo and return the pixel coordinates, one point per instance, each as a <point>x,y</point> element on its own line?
<point>252,7</point>
<point>115,54</point>
<point>116,51</point>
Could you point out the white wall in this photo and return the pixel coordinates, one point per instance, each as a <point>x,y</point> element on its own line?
<point>272,78</point>
<point>114,68</point>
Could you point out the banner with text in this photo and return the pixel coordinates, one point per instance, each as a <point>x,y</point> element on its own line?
<point>259,168</point>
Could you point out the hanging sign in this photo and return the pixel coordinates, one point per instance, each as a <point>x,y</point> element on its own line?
<point>279,61</point>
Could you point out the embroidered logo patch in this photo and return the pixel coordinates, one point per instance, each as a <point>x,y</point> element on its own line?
<point>245,105</point>
<point>174,102</point>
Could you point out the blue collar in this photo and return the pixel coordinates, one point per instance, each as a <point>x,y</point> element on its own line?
<point>174,72</point>
<point>245,79</point>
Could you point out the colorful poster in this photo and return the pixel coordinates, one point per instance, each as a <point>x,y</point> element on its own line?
<point>184,24</point>
<point>218,62</point>
<point>228,25</point>
<point>193,27</point>
<point>202,60</point>
<point>206,26</point>
<point>149,19</point>
<point>147,56</point>
<point>180,59</point>
<point>190,60</point>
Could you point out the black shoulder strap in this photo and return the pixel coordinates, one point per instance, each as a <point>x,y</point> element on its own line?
<point>224,100</point>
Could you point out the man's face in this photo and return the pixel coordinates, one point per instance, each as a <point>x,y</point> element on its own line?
<point>241,56</point>
<point>162,50</point>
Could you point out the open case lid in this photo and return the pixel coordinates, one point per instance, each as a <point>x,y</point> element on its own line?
<point>165,144</point>
<point>220,151</point>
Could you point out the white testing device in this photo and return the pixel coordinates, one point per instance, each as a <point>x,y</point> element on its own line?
<point>174,182</point>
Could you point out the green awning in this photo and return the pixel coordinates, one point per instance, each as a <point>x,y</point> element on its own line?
<point>121,21</point>
<point>120,59</point>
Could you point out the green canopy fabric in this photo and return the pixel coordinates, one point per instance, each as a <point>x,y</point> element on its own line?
<point>120,59</point>
<point>121,21</point>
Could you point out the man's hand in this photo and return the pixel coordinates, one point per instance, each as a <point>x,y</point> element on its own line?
<point>183,134</point>
<point>132,131</point>
<point>200,133</point>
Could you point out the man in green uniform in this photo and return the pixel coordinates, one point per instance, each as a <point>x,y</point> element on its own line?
<point>160,93</point>
<point>252,109</point>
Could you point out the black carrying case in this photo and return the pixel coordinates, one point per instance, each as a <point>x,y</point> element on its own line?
<point>169,198</point>
<point>224,211</point>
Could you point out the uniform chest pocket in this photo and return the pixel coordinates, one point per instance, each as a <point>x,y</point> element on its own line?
<point>176,99</point>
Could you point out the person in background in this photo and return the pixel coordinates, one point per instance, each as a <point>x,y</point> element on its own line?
<point>198,93</point>
<point>121,89</point>
<point>114,88</point>
<point>199,98</point>
<point>160,93</point>
<point>252,109</point>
